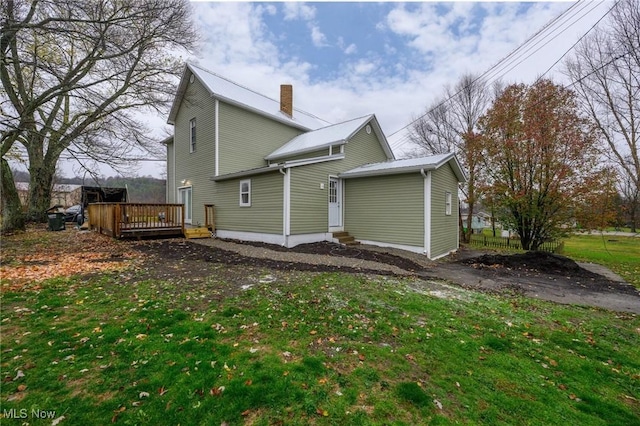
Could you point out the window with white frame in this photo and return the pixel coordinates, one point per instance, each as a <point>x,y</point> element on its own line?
<point>192,135</point>
<point>447,203</point>
<point>245,193</point>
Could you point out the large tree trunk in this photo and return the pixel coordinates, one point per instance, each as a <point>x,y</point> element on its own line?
<point>40,186</point>
<point>12,216</point>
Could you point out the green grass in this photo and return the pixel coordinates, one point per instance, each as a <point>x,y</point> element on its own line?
<point>312,349</point>
<point>620,254</point>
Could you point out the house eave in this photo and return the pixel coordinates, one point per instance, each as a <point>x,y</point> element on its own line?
<point>245,173</point>
<point>391,171</point>
<point>448,159</point>
<point>277,167</point>
<point>272,157</point>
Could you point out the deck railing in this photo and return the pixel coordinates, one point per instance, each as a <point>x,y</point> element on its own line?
<point>122,220</point>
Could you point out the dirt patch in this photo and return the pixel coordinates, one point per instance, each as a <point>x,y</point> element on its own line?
<point>180,250</point>
<point>225,269</point>
<point>354,252</point>
<point>551,267</point>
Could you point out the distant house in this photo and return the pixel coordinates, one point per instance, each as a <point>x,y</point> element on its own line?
<point>479,221</point>
<point>62,194</point>
<point>280,175</point>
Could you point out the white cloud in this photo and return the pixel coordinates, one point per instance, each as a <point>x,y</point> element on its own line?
<point>294,11</point>
<point>347,50</point>
<point>317,37</point>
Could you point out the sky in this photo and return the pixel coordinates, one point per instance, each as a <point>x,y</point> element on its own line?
<point>346,60</point>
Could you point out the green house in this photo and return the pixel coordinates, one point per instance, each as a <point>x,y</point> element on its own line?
<point>279,175</point>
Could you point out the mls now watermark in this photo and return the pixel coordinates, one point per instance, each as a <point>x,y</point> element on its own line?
<point>23,413</point>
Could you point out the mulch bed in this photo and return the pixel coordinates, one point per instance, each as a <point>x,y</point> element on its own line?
<point>173,250</point>
<point>333,249</point>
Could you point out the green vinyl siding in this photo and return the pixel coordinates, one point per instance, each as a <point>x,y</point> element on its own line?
<point>361,149</point>
<point>305,156</point>
<point>265,213</point>
<point>246,138</point>
<point>386,209</point>
<point>309,202</point>
<point>444,228</point>
<point>194,168</point>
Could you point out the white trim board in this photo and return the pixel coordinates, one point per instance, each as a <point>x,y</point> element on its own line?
<point>414,249</point>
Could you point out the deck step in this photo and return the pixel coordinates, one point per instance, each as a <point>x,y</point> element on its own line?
<point>343,237</point>
<point>201,232</point>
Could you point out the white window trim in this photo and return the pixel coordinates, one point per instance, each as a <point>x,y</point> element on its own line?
<point>248,203</point>
<point>192,133</point>
<point>448,200</point>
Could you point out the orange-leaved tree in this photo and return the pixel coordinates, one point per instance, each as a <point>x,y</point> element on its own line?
<point>542,160</point>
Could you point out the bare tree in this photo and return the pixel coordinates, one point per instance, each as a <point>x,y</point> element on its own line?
<point>450,125</point>
<point>77,75</point>
<point>605,69</point>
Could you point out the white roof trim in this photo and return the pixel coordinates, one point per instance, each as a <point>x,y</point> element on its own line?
<point>233,93</point>
<point>278,166</point>
<point>335,134</point>
<point>408,165</point>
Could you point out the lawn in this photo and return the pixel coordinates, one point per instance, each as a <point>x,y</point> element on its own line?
<point>301,348</point>
<point>620,254</point>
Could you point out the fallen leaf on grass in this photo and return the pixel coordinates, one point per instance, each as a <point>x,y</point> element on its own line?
<point>321,412</point>
<point>216,391</point>
<point>21,388</point>
<point>162,390</point>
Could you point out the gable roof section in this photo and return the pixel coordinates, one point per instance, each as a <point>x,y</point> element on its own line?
<point>408,165</point>
<point>335,134</point>
<point>235,94</point>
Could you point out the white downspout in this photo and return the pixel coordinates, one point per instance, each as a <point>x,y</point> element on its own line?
<point>174,197</point>
<point>216,140</point>
<point>427,212</point>
<point>286,218</point>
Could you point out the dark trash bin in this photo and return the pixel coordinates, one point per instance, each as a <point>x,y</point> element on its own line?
<point>56,218</point>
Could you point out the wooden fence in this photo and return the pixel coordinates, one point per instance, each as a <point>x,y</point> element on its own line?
<point>554,246</point>
<point>122,220</point>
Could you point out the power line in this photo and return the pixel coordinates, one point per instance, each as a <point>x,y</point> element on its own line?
<point>514,55</point>
<point>579,40</point>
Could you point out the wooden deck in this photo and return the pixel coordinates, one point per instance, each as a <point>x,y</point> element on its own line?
<point>134,220</point>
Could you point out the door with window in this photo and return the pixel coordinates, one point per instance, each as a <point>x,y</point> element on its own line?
<point>335,202</point>
<point>185,197</point>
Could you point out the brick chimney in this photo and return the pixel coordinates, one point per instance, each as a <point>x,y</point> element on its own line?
<point>286,99</point>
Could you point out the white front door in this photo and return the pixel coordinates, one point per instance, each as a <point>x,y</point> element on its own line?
<point>335,202</point>
<point>184,197</point>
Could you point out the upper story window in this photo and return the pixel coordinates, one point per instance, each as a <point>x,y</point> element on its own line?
<point>245,193</point>
<point>447,203</point>
<point>192,135</point>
